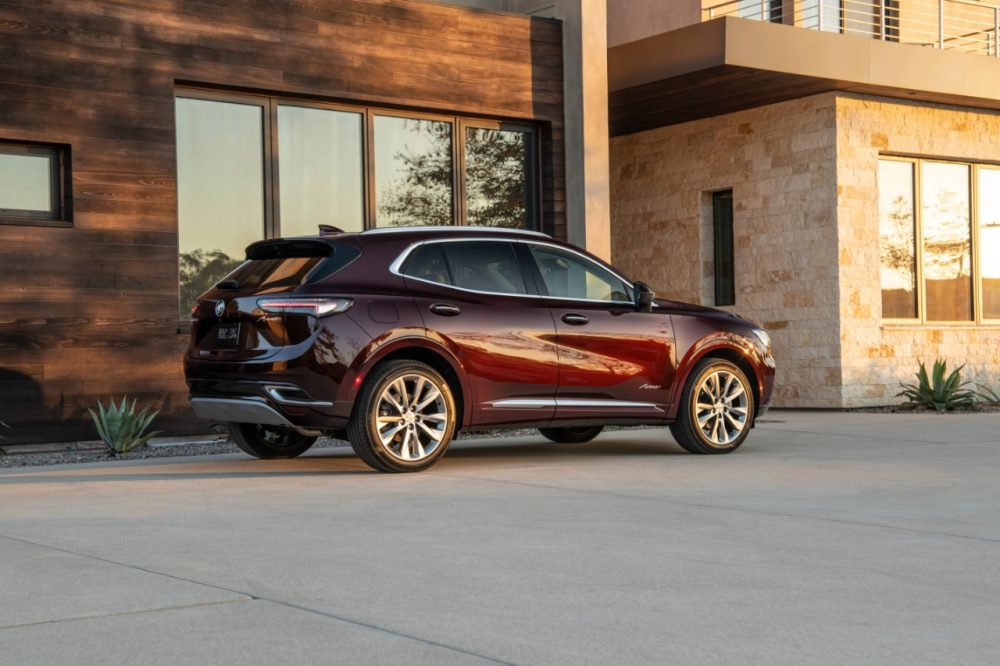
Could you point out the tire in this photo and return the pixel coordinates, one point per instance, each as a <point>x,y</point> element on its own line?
<point>402,400</point>
<point>571,435</point>
<point>722,423</point>
<point>269,442</point>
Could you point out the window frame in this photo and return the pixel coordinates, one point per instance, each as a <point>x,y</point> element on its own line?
<point>270,104</point>
<point>60,192</point>
<point>921,319</point>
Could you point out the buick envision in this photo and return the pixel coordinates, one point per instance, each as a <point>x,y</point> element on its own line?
<point>398,338</point>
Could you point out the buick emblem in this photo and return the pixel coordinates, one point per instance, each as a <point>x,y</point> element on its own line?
<point>220,307</point>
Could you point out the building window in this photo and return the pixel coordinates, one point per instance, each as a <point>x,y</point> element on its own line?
<point>723,248</point>
<point>939,250</point>
<point>897,246</point>
<point>252,167</point>
<point>220,190</point>
<point>320,169</point>
<point>499,176</point>
<point>413,172</point>
<point>33,184</point>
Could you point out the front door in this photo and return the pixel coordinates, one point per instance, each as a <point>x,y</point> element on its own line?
<point>612,357</point>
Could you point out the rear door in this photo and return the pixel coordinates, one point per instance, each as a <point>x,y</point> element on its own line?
<point>612,357</point>
<point>474,298</point>
<point>229,323</point>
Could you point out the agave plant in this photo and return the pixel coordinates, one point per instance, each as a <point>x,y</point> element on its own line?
<point>938,392</point>
<point>989,396</point>
<point>121,428</point>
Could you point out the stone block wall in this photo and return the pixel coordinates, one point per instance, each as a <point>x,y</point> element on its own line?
<point>877,355</point>
<point>780,162</point>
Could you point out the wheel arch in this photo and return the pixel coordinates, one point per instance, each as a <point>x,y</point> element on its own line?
<point>727,350</point>
<point>424,351</point>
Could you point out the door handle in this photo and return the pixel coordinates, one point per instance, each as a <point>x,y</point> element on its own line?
<point>445,310</point>
<point>574,319</point>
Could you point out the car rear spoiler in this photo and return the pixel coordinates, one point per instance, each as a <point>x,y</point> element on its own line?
<point>280,248</point>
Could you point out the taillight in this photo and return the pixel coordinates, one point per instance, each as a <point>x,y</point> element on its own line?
<point>194,308</point>
<point>317,307</point>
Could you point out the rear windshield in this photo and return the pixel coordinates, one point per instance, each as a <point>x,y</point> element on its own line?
<point>283,266</point>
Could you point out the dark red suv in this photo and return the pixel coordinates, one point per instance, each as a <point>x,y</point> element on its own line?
<point>399,338</point>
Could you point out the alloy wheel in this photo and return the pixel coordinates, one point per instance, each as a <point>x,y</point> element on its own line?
<point>411,417</point>
<point>721,407</point>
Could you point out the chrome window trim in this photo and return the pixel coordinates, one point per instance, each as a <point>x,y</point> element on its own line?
<point>452,229</point>
<point>397,264</point>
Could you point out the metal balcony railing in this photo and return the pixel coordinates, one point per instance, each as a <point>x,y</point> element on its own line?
<point>962,25</point>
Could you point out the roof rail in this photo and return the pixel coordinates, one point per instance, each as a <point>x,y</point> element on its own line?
<point>450,228</point>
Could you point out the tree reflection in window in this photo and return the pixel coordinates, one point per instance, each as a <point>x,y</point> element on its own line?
<point>947,241</point>
<point>897,248</point>
<point>496,172</point>
<point>413,172</point>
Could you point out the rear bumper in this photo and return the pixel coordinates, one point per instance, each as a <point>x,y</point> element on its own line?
<point>267,402</point>
<point>238,410</point>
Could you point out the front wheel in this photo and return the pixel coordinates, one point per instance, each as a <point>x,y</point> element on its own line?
<point>716,408</point>
<point>404,417</point>
<point>571,435</point>
<point>267,441</point>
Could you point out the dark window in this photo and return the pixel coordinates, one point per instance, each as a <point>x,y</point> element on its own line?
<point>32,182</point>
<point>427,262</point>
<point>722,226</point>
<point>484,266</point>
<point>569,275</point>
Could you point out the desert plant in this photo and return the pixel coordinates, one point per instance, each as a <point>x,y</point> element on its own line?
<point>989,396</point>
<point>937,391</point>
<point>121,428</point>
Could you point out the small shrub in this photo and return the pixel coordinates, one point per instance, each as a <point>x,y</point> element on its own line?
<point>121,428</point>
<point>938,392</point>
<point>989,396</point>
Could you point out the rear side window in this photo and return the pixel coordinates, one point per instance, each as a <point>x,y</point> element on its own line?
<point>477,265</point>
<point>278,266</point>
<point>427,262</point>
<point>485,266</point>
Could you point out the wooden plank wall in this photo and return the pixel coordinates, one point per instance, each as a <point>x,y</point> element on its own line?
<point>89,311</point>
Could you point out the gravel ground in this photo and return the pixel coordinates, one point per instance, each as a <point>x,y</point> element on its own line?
<point>205,445</point>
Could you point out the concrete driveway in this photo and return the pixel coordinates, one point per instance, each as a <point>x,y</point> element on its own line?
<point>830,538</point>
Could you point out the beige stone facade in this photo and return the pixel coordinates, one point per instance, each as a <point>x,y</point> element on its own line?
<point>803,175</point>
<point>876,356</point>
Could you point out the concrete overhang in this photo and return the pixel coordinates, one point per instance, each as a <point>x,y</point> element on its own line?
<point>731,64</point>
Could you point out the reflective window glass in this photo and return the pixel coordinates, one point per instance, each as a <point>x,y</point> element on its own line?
<point>497,169</point>
<point>989,240</point>
<point>220,190</point>
<point>413,172</point>
<point>897,248</point>
<point>484,266</point>
<point>568,275</point>
<point>947,250</point>
<point>319,170</point>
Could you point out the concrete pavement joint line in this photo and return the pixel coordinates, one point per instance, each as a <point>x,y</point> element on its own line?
<point>855,436</point>
<point>720,507</point>
<point>253,597</point>
<point>100,616</point>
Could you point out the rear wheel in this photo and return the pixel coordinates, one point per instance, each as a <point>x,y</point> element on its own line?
<point>716,408</point>
<point>571,435</point>
<point>268,441</point>
<point>404,417</point>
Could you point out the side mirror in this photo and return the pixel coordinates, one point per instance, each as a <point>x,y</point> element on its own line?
<point>644,297</point>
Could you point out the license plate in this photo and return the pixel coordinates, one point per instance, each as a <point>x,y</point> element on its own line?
<point>227,335</point>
